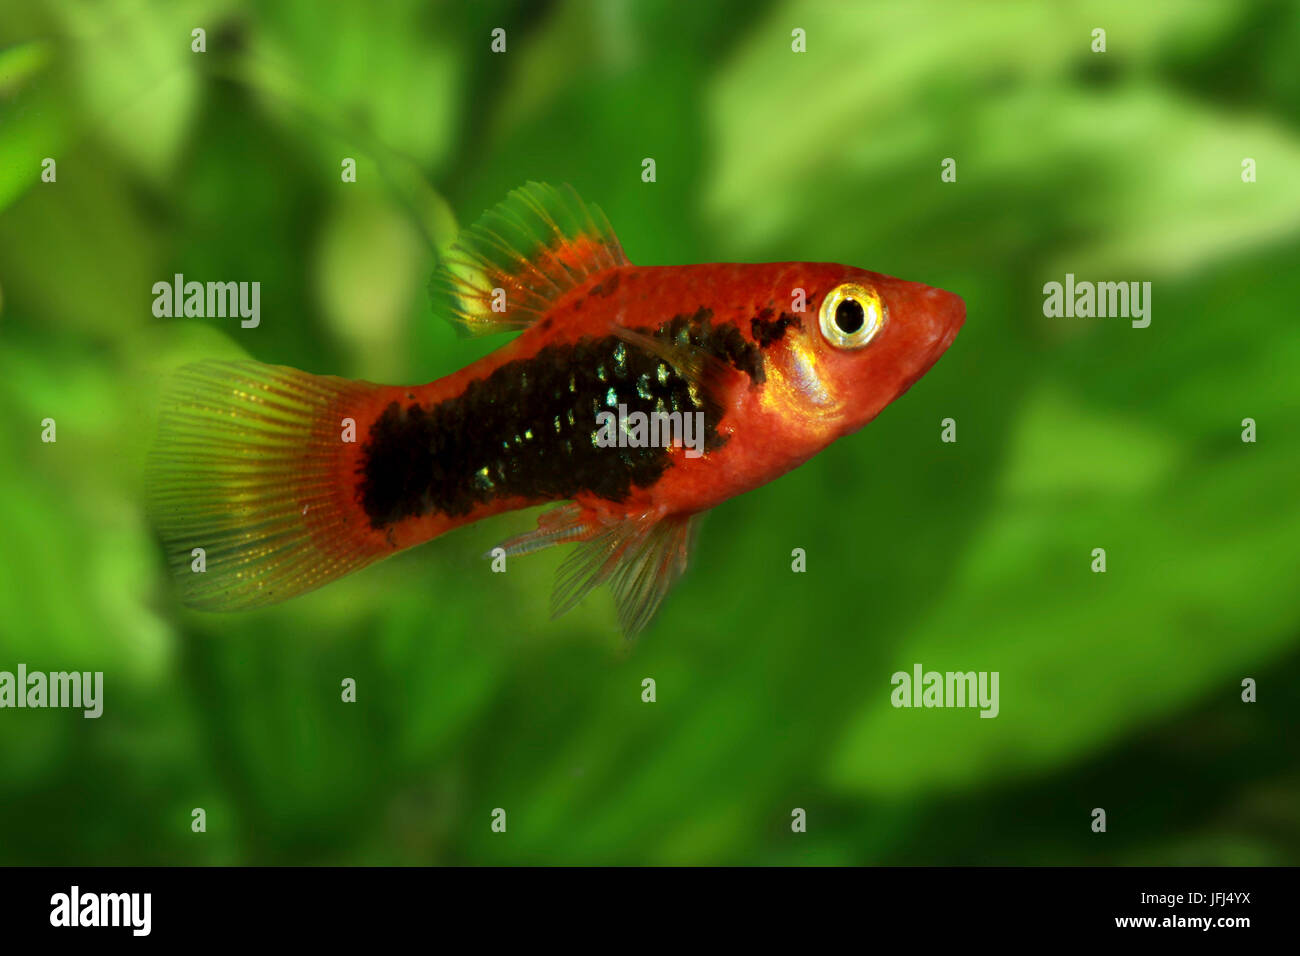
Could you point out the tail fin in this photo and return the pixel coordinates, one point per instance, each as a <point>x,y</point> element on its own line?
<point>250,466</point>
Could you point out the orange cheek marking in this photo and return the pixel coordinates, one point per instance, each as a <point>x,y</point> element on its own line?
<point>798,393</point>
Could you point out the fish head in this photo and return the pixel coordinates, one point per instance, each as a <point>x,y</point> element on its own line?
<point>863,339</point>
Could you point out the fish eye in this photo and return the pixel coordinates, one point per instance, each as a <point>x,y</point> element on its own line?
<point>851,315</point>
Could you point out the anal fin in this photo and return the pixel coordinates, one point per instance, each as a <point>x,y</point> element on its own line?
<point>640,559</point>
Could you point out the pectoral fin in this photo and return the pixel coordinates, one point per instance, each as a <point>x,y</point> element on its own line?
<point>708,376</point>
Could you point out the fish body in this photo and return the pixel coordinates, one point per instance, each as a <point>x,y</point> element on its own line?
<point>748,370</point>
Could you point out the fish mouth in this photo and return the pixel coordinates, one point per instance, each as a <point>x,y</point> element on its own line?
<point>954,319</point>
<point>948,312</point>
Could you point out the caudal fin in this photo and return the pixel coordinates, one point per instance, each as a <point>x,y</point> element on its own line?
<point>250,466</point>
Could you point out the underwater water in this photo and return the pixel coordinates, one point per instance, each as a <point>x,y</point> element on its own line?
<point>986,149</point>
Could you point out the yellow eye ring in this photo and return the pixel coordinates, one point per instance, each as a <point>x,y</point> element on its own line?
<point>851,315</point>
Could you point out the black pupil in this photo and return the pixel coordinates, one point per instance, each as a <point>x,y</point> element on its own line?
<point>849,316</point>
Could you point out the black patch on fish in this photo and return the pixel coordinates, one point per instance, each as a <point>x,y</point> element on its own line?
<point>528,428</point>
<point>607,287</point>
<point>767,330</point>
<point>725,342</point>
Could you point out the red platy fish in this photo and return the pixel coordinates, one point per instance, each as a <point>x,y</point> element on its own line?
<point>636,397</point>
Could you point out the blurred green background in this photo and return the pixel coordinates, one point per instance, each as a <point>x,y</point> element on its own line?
<point>1118,690</point>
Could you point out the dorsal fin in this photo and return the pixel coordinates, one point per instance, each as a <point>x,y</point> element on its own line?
<point>535,245</point>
